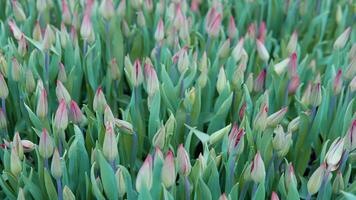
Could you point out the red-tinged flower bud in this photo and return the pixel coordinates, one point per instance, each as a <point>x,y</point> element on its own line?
<point>99,101</point>
<point>168,174</point>
<point>63,35</point>
<point>158,156</point>
<point>293,85</point>
<point>242,110</point>
<point>224,49</point>
<point>16,142</point>
<point>276,117</point>
<point>37,33</point>
<point>121,9</point>
<point>293,42</point>
<point>75,113</point>
<point>315,94</point>
<point>260,121</point>
<point>62,93</point>
<point>120,181</point>
<point>144,176</point>
<point>223,197</point>
<point>56,168</point>
<point>183,61</point>
<point>15,162</point>
<point>251,31</point>
<point>86,29</point>
<point>290,179</point>
<point>3,120</point>
<point>18,11</point>
<point>159,34</point>
<point>62,75</point>
<point>137,75</point>
<point>333,156</point>
<point>66,16</point>
<point>281,67</point>
<point>151,78</point>
<point>159,139</point>
<point>350,140</point>
<point>183,161</point>
<point>338,184</point>
<point>340,42</point>
<point>222,80</point>
<point>48,38</point>
<point>262,32</point>
<point>316,179</point>
<point>61,117</point>
<point>232,30</point>
<point>108,115</point>
<point>15,30</point>
<point>260,81</point>
<point>4,91</point>
<point>236,142</point>
<point>258,172</point>
<point>22,46</point>
<point>42,105</point>
<point>115,70</point>
<point>179,18</point>
<point>194,6</point>
<point>110,144</point>
<point>274,196</point>
<point>214,26</point>
<point>141,21</point>
<point>149,6</point>
<point>292,66</point>
<point>106,9</point>
<point>16,70</point>
<point>3,65</point>
<point>262,51</point>
<point>27,145</point>
<point>281,141</point>
<point>30,81</point>
<point>337,83</point>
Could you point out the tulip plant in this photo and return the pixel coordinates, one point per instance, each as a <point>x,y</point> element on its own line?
<point>177,99</point>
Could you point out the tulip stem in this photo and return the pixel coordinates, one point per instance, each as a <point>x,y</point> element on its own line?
<point>208,42</point>
<point>308,197</point>
<point>244,190</point>
<point>46,163</point>
<point>113,165</point>
<point>85,47</point>
<point>134,151</point>
<point>254,189</point>
<point>46,75</point>
<point>323,184</point>
<point>59,189</point>
<point>286,94</point>
<point>187,188</point>
<point>60,145</point>
<point>269,169</point>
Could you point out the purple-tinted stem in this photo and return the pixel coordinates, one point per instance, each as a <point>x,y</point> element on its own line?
<point>286,94</point>
<point>254,189</point>
<point>60,145</point>
<point>85,47</point>
<point>47,69</point>
<point>231,171</point>
<point>134,151</point>
<point>323,184</point>
<point>59,189</point>
<point>46,163</point>
<point>269,168</point>
<point>244,190</point>
<point>308,197</point>
<point>113,165</point>
<point>187,188</point>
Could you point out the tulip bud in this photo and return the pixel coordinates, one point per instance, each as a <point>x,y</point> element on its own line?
<point>37,33</point>
<point>224,50</point>
<point>141,21</point>
<point>108,116</point>
<point>170,125</point>
<point>136,4</point>
<point>22,46</point>
<point>68,194</point>
<point>238,79</point>
<point>315,95</point>
<point>27,145</point>
<point>290,179</point>
<point>281,141</point>
<point>21,195</point>
<point>201,162</point>
<point>158,156</point>
<point>17,144</point>
<point>350,140</point>
<point>337,83</point>
<point>352,84</point>
<point>249,82</point>
<point>340,42</point>
<point>63,35</point>
<point>202,80</point>
<point>115,73</point>
<point>137,75</point>
<point>15,30</point>
<point>238,50</point>
<point>338,184</point>
<point>183,61</point>
<point>4,91</point>
<point>221,82</point>
<point>333,156</point>
<point>61,117</point>
<point>236,142</point>
<point>351,70</point>
<point>168,174</point>
<point>30,81</point>
<point>214,24</point>
<point>183,161</point>
<point>42,105</point>
<point>258,171</point>
<point>218,135</point>
<point>16,70</point>
<point>159,34</point>
<point>293,42</point>
<point>276,117</point>
<point>3,65</point>
<point>281,67</point>
<point>86,29</point>
<point>294,124</point>
<point>62,76</point>
<point>179,18</point>
<point>106,9</point>
<point>306,95</point>
<point>56,168</point>
<point>260,81</point>
<point>144,176</point>
<point>75,113</point>
<point>260,121</point>
<point>232,30</point>
<point>292,68</point>
<point>120,181</point>
<point>316,178</point>
<point>121,8</point>
<point>110,144</point>
<point>62,93</point>
<point>189,99</point>
<point>159,139</point>
<point>48,38</point>
<point>18,11</point>
<point>262,32</point>
<point>99,101</point>
<point>293,85</point>
<point>66,17</point>
<point>274,196</point>
<point>151,78</point>
<point>41,5</point>
<point>15,162</point>
<point>242,111</point>
<point>3,120</point>
<point>262,51</point>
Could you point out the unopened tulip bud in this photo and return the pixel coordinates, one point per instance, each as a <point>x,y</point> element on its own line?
<point>110,150</point>
<point>62,93</point>
<point>260,81</point>
<point>41,5</point>
<point>260,121</point>
<point>3,120</point>
<point>238,50</point>
<point>293,85</point>
<point>292,65</point>
<point>108,115</point>
<point>224,50</point>
<point>158,156</point>
<point>15,30</point>
<point>214,25</point>
<point>99,101</point>
<point>30,81</point>
<point>351,70</point>
<point>159,34</point>
<point>222,81</point>
<point>151,78</point>
<point>75,113</point>
<point>242,111</point>
<point>21,195</point>
<point>16,70</point>
<point>202,80</point>
<point>137,75</point>
<point>223,197</point>
<point>249,82</point>
<point>203,67</point>
<point>281,67</point>
<point>183,61</point>
<point>281,141</point>
<point>350,140</point>
<point>16,142</point>
<point>159,139</point>
<point>15,162</point>
<point>294,124</point>
<point>115,70</point>
<point>189,99</point>
<point>262,51</point>
<point>48,38</point>
<point>333,156</point>
<point>316,179</point>
<point>3,65</point>
<point>340,42</point>
<point>27,145</point>
<point>338,184</point>
<point>144,176</point>
<point>56,168</point>
<point>136,4</point>
<point>238,79</point>
<point>4,91</point>
<point>125,28</point>
<point>232,30</point>
<point>63,35</point>
<point>179,18</point>
<point>292,44</point>
<point>183,161</point>
<point>218,135</point>
<point>86,29</point>
<point>306,95</point>
<point>121,9</point>
<point>337,83</point>
<point>106,9</point>
<point>236,142</point>
<point>61,117</point>
<point>315,95</point>
<point>120,181</point>
<point>170,125</point>
<point>290,179</point>
<point>18,11</point>
<point>168,174</point>
<point>262,32</point>
<point>68,194</point>
<point>22,46</point>
<point>141,21</point>
<point>201,162</point>
<point>276,117</point>
<point>258,172</point>
<point>66,16</point>
<point>352,85</point>
<point>37,33</point>
<point>62,76</point>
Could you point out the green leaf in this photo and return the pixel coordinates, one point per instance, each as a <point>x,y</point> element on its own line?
<point>202,190</point>
<point>51,190</point>
<point>260,192</point>
<point>107,177</point>
<point>95,187</point>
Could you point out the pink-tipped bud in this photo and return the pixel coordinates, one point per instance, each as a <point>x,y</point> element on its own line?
<point>18,11</point>
<point>27,145</point>
<point>333,156</point>
<point>242,110</point>
<point>151,78</point>
<point>137,75</point>
<point>99,101</point>
<point>350,140</point>
<point>179,18</point>
<point>292,66</point>
<point>22,46</point>
<point>86,29</point>
<point>274,196</point>
<point>158,156</point>
<point>251,31</point>
<point>61,117</point>
<point>75,113</point>
<point>183,161</point>
<point>315,94</point>
<point>293,85</point>
<point>340,42</point>
<point>62,75</point>
<point>15,30</point>
<point>106,9</point>
<point>16,70</point>
<point>262,51</point>
<point>260,81</point>
<point>258,172</point>
<point>144,176</point>
<point>37,33</point>
<point>260,121</point>
<point>4,91</point>
<point>292,44</point>
<point>66,16</point>
<point>262,32</point>
<point>115,70</point>
<point>168,174</point>
<point>42,105</point>
<point>276,117</point>
<point>194,6</point>
<point>337,82</point>
<point>223,197</point>
<point>45,146</point>
<point>316,179</point>
<point>290,179</point>
<point>236,142</point>
<point>56,168</point>
<point>148,4</point>
<point>121,9</point>
<point>108,115</point>
<point>16,142</point>
<point>110,150</point>
<point>15,162</point>
<point>48,38</point>
<point>30,81</point>
<point>232,30</point>
<point>214,25</point>
<point>62,93</point>
<point>159,34</point>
